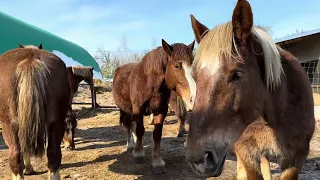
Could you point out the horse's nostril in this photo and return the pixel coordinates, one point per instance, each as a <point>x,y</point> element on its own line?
<point>210,160</point>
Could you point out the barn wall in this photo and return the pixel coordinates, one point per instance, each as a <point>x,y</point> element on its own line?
<point>307,49</point>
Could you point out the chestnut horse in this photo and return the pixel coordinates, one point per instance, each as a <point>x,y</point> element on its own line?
<point>70,121</point>
<point>252,96</point>
<point>143,88</point>
<point>180,110</point>
<point>34,100</point>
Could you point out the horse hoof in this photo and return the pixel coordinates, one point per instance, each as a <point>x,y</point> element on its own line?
<point>138,160</point>
<point>30,172</point>
<point>130,149</point>
<point>159,170</point>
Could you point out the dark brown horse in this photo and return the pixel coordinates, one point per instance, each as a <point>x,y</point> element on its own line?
<point>143,88</point>
<point>252,96</point>
<point>180,109</point>
<point>76,74</point>
<point>34,100</point>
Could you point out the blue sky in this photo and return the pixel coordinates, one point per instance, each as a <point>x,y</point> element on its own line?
<point>104,23</point>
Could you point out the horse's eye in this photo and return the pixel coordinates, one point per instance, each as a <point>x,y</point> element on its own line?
<point>178,65</point>
<point>236,75</point>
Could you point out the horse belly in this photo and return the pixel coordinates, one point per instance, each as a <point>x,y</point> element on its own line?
<point>155,103</point>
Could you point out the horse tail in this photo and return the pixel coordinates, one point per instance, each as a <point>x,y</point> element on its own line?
<point>31,104</point>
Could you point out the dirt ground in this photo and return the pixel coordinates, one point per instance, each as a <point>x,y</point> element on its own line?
<point>101,150</point>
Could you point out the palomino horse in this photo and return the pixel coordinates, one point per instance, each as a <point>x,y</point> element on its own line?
<point>180,110</point>
<point>34,101</point>
<point>252,96</point>
<point>76,74</point>
<point>144,87</point>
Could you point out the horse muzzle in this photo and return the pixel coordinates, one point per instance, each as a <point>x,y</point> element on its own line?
<point>209,166</point>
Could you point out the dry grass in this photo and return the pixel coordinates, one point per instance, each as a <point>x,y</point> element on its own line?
<point>316,99</point>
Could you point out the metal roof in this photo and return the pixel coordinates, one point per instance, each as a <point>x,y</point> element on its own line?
<point>14,31</point>
<point>296,36</point>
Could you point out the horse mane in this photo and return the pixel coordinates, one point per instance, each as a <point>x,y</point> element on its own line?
<point>156,60</point>
<point>220,42</point>
<point>84,71</point>
<point>30,47</point>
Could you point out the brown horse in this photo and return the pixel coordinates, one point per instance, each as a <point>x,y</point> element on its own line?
<point>180,110</point>
<point>143,88</point>
<point>252,96</point>
<point>76,74</point>
<point>34,100</point>
<point>70,121</point>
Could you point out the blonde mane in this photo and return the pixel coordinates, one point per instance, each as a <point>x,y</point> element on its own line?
<point>84,71</point>
<point>219,42</point>
<point>30,47</point>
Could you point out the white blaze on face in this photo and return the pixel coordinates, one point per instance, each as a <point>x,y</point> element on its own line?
<point>192,85</point>
<point>212,66</point>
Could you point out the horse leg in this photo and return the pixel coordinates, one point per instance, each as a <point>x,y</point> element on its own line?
<point>28,170</point>
<point>181,114</point>
<point>151,119</point>
<point>132,137</point>
<point>15,156</point>
<point>158,165</point>
<point>265,168</point>
<point>241,171</point>
<point>55,135</point>
<point>138,152</point>
<point>181,129</point>
<point>291,167</point>
<point>247,165</point>
<point>126,120</point>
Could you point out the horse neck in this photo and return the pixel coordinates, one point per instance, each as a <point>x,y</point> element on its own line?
<point>75,81</point>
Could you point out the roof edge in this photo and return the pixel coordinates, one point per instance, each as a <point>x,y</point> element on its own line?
<point>296,36</point>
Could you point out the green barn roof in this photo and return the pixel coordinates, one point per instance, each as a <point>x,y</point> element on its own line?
<point>14,31</point>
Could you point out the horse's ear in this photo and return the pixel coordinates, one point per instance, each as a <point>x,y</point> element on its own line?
<point>242,20</point>
<point>166,47</point>
<point>92,68</point>
<point>191,45</point>
<point>20,46</point>
<point>40,46</point>
<point>199,29</point>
